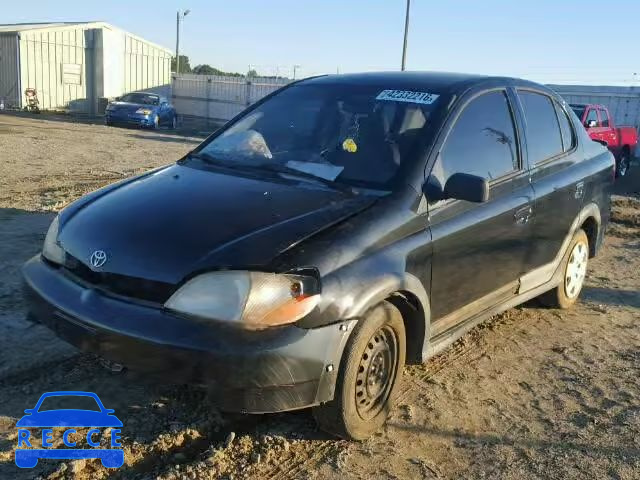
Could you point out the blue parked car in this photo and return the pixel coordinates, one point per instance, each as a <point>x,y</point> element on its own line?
<point>141,109</point>
<point>63,417</point>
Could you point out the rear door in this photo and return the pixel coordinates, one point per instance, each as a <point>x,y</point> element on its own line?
<point>551,148</point>
<point>479,249</point>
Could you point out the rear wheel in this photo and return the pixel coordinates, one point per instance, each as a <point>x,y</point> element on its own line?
<point>623,164</point>
<point>574,265</point>
<point>369,375</point>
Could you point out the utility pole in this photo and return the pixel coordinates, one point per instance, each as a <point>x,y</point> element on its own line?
<point>295,67</point>
<point>406,34</point>
<point>179,16</point>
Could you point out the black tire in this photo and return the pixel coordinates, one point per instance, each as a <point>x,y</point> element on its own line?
<point>560,297</point>
<point>369,375</point>
<point>623,163</point>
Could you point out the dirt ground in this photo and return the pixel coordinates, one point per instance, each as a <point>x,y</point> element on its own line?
<point>532,393</point>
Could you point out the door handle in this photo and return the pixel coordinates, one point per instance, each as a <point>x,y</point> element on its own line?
<point>523,215</point>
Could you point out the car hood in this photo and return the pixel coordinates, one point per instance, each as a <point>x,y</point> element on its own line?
<point>69,418</point>
<point>129,107</point>
<point>175,221</point>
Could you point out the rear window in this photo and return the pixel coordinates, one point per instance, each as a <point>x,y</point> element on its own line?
<point>578,110</point>
<point>604,118</point>
<point>544,139</point>
<point>69,402</point>
<point>568,135</point>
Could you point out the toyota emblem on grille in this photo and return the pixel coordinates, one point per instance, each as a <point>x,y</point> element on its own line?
<point>98,258</point>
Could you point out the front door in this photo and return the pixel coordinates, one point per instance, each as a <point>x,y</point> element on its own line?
<point>479,249</point>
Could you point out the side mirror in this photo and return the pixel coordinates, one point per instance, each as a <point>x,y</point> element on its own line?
<point>463,186</point>
<point>29,411</point>
<point>591,124</point>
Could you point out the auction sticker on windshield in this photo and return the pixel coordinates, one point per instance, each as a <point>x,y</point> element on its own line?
<point>407,96</point>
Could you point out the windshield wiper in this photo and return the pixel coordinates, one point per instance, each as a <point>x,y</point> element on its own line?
<point>272,167</point>
<point>279,168</point>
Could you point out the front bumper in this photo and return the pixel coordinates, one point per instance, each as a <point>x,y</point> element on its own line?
<point>280,369</point>
<point>129,119</point>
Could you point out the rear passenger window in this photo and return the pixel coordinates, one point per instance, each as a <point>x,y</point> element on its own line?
<point>568,136</point>
<point>482,141</point>
<point>604,118</point>
<point>543,130</point>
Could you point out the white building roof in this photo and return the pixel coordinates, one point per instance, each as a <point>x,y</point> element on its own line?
<point>22,27</point>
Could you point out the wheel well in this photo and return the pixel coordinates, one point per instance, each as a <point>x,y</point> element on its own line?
<point>626,148</point>
<point>590,227</point>
<point>413,317</point>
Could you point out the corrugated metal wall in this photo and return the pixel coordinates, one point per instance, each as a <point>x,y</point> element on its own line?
<point>9,78</point>
<point>219,98</point>
<point>622,102</point>
<point>58,63</point>
<point>145,66</point>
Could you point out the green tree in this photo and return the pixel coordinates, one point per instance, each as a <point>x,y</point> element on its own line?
<point>184,64</point>
<point>206,70</point>
<point>252,73</point>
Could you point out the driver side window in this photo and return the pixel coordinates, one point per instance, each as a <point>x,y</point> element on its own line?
<point>592,115</point>
<point>482,141</point>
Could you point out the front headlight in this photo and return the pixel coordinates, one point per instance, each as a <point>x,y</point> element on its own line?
<point>252,300</point>
<point>144,111</point>
<point>52,250</point>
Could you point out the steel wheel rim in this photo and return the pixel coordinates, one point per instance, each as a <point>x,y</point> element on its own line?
<point>576,270</point>
<point>376,372</point>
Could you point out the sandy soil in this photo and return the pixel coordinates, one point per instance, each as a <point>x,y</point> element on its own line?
<point>533,393</point>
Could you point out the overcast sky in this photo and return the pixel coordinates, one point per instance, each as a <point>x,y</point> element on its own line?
<point>561,41</point>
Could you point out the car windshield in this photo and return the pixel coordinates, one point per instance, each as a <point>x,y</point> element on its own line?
<point>69,402</point>
<point>354,135</point>
<point>578,110</point>
<point>141,98</point>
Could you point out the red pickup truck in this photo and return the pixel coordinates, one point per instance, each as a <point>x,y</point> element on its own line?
<point>599,124</point>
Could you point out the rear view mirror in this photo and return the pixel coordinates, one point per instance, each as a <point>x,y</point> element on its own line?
<point>463,186</point>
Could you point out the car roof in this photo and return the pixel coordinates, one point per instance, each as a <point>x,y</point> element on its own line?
<point>440,82</point>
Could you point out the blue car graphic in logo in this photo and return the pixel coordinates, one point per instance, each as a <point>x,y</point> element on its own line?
<point>28,458</point>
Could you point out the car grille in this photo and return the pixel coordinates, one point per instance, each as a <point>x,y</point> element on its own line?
<point>133,287</point>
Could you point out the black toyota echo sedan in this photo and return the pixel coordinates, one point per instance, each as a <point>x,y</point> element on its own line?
<point>332,232</point>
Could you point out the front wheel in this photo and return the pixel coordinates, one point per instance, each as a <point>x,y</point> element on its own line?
<point>174,122</point>
<point>369,376</point>
<point>623,163</point>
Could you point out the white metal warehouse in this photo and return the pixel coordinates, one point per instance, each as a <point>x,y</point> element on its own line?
<point>73,65</point>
